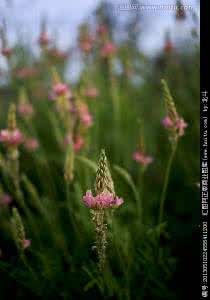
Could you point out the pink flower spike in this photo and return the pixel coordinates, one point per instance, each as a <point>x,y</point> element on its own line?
<point>108,49</point>
<point>86,43</point>
<point>78,144</point>
<point>101,201</point>
<point>26,243</point>
<point>147,160</point>
<point>181,125</point>
<point>5,200</point>
<point>118,202</point>
<point>61,89</point>
<point>167,122</point>
<point>143,159</point>
<point>31,144</point>
<point>87,119</point>
<point>92,92</point>
<point>7,52</point>
<point>137,156</point>
<point>43,39</point>
<point>12,138</point>
<point>26,109</point>
<point>89,199</point>
<point>102,29</point>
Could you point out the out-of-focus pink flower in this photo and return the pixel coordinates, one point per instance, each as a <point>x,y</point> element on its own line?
<point>26,243</point>
<point>87,119</point>
<point>68,139</point>
<point>57,54</point>
<point>44,39</point>
<point>11,138</point>
<point>167,122</point>
<point>143,159</point>
<point>103,200</point>
<point>7,52</point>
<point>92,92</point>
<point>26,109</point>
<point>5,199</point>
<point>31,144</point>
<point>26,72</point>
<point>61,89</point>
<point>78,144</point>
<point>101,29</point>
<point>118,202</point>
<point>86,43</point>
<point>84,115</point>
<point>168,46</point>
<point>108,49</point>
<point>181,125</point>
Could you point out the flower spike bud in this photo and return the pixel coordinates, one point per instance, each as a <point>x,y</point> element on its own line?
<point>104,180</point>
<point>173,122</point>
<point>19,231</point>
<point>172,112</point>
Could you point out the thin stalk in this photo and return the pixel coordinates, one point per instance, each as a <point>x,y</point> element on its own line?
<point>165,184</point>
<point>140,203</point>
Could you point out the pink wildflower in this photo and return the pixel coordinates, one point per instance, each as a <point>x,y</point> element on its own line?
<point>78,144</point>
<point>11,138</point>
<point>86,43</point>
<point>7,52</point>
<point>103,200</point>
<point>143,159</point>
<point>61,89</point>
<point>26,109</point>
<point>108,49</point>
<point>179,125</point>
<point>168,47</point>
<point>92,92</point>
<point>84,115</point>
<point>167,122</point>
<point>5,200</point>
<point>31,144</point>
<point>26,72</point>
<point>57,54</point>
<point>43,40</point>
<point>26,243</point>
<point>87,119</point>
<point>102,29</point>
<point>68,139</point>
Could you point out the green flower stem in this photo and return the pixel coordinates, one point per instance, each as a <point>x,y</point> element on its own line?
<point>165,184</point>
<point>140,203</point>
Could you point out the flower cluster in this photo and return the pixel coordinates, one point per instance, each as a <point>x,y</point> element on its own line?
<point>92,92</point>
<point>84,114</point>
<point>108,49</point>
<point>142,158</point>
<point>5,199</point>
<point>11,136</point>
<point>179,125</point>
<point>104,200</point>
<point>173,122</point>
